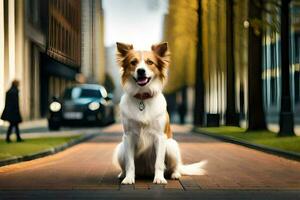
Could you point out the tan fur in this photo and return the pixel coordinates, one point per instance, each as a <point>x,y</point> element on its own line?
<point>127,55</point>
<point>168,131</point>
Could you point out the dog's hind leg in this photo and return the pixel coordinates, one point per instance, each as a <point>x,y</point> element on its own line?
<point>173,158</point>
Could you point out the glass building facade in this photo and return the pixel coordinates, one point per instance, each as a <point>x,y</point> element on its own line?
<point>272,62</point>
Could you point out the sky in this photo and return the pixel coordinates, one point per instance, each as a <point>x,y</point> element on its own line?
<point>138,22</point>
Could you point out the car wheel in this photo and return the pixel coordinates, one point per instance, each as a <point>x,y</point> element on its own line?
<point>53,126</point>
<point>112,120</point>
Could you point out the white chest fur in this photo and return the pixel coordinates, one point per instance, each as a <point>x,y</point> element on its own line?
<point>143,125</point>
<point>153,108</point>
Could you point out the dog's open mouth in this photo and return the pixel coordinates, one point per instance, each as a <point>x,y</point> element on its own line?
<point>142,81</point>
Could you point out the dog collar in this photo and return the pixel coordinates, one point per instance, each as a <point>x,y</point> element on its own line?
<point>142,97</point>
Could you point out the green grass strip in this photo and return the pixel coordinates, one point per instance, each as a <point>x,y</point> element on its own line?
<point>32,145</point>
<point>265,138</point>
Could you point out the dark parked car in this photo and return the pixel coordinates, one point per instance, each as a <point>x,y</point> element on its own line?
<point>87,104</point>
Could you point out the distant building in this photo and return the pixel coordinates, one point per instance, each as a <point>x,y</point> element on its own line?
<point>61,62</point>
<point>92,43</point>
<point>22,38</point>
<point>39,45</point>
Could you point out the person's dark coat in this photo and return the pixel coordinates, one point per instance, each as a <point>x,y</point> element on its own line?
<point>11,110</point>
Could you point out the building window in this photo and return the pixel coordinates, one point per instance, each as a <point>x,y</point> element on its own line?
<point>296,63</point>
<point>67,36</point>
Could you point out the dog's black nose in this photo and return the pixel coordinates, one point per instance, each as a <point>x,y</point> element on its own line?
<point>141,72</point>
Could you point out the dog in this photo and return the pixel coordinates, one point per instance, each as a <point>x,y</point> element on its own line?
<point>147,146</point>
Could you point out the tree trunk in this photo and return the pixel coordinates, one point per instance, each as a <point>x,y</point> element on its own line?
<point>199,85</point>
<point>255,98</point>
<point>231,114</point>
<point>286,114</point>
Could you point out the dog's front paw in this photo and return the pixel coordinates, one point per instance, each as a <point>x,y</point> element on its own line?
<point>159,180</point>
<point>128,180</point>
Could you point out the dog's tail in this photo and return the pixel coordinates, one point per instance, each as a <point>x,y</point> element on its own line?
<point>193,169</point>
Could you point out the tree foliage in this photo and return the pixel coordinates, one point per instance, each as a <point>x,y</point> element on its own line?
<point>181,34</point>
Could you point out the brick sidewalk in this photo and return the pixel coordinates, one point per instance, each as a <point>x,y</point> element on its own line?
<point>88,166</point>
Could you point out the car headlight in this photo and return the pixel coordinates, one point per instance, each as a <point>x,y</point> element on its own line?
<point>94,106</point>
<point>55,106</point>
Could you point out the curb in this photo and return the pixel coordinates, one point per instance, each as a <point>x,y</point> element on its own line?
<point>277,152</point>
<point>47,152</point>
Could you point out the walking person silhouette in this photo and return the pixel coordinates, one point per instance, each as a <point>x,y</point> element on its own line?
<point>11,112</point>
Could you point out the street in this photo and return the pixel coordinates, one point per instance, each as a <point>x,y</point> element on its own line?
<point>227,71</point>
<point>88,167</point>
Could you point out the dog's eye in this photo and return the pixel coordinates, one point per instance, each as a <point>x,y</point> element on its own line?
<point>133,62</point>
<point>149,62</point>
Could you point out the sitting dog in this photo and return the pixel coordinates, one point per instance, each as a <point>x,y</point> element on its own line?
<point>147,147</point>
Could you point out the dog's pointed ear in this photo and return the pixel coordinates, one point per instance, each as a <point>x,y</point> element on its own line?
<point>124,48</point>
<point>160,49</point>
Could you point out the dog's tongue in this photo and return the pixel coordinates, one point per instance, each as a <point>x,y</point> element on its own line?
<point>142,80</point>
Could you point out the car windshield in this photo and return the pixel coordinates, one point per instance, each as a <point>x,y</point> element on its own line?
<point>75,93</point>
